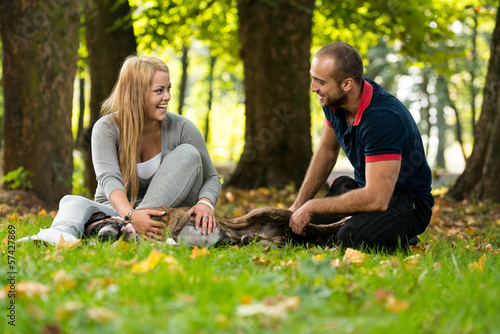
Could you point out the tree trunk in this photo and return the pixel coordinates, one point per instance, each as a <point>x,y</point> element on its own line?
<point>441,123</point>
<point>40,48</point>
<point>110,39</point>
<point>458,127</point>
<point>275,48</point>
<point>183,84</point>
<point>210,97</point>
<point>481,176</point>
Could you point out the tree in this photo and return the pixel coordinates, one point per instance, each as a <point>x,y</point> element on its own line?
<point>481,177</point>
<point>275,41</point>
<point>110,38</point>
<point>40,44</point>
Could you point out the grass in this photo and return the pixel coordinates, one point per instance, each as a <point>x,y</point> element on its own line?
<point>444,286</point>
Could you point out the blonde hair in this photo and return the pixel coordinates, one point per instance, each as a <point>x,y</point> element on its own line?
<point>128,99</point>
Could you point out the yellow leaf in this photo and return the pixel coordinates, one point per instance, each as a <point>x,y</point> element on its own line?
<point>261,261</point>
<point>197,253</point>
<point>68,310</point>
<point>478,265</point>
<point>354,256</point>
<point>62,244</point>
<point>275,307</point>
<point>318,257</point>
<point>42,212</point>
<point>13,216</point>
<point>101,314</point>
<point>31,290</point>
<point>119,263</point>
<point>34,312</point>
<point>394,305</point>
<point>62,281</point>
<point>246,299</point>
<point>149,263</point>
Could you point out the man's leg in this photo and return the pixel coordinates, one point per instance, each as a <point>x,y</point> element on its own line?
<point>390,229</point>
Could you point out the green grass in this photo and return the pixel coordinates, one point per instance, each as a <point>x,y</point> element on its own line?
<point>253,289</point>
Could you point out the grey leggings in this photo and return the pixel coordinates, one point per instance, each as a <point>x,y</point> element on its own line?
<point>176,183</point>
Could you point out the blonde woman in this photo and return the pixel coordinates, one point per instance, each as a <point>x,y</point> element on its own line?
<point>143,157</point>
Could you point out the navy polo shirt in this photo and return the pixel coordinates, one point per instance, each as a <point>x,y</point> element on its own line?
<point>383,129</point>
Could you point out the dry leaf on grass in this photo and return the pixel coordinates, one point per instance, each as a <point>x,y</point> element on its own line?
<point>390,302</point>
<point>63,281</point>
<point>149,263</point>
<point>62,244</point>
<point>275,307</point>
<point>27,289</point>
<point>478,265</point>
<point>355,256</point>
<point>197,253</point>
<point>101,315</point>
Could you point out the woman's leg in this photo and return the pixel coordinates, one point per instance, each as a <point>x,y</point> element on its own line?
<point>75,211</point>
<point>178,180</point>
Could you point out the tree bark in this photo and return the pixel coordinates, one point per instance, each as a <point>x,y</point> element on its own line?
<point>206,131</point>
<point>481,177</point>
<point>275,48</point>
<point>110,39</point>
<point>184,75</point>
<point>40,48</point>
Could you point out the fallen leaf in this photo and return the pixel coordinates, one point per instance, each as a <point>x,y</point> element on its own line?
<point>336,263</point>
<point>478,265</point>
<point>13,216</point>
<point>261,261</point>
<point>355,256</point>
<point>395,305</point>
<point>318,257</point>
<point>63,281</point>
<point>119,263</point>
<point>34,312</point>
<point>390,302</point>
<point>62,244</point>
<point>42,212</point>
<point>275,307</point>
<point>149,263</point>
<point>31,290</point>
<point>197,253</point>
<point>413,259</point>
<point>101,314</point>
<point>68,310</point>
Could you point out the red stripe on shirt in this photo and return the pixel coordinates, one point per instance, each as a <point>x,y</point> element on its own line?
<point>382,157</point>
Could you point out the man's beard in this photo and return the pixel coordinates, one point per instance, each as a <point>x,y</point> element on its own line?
<point>335,100</point>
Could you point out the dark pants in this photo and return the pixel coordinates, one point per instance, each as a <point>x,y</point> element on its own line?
<point>405,218</point>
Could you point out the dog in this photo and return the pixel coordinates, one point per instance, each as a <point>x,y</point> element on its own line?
<point>264,225</point>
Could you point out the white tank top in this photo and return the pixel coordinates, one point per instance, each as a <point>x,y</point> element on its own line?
<point>147,169</point>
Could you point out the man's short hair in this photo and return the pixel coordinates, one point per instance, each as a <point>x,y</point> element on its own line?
<point>348,62</point>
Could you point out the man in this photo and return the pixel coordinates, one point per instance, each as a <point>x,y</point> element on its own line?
<point>390,201</point>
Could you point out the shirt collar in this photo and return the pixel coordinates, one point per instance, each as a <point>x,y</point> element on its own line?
<point>366,98</point>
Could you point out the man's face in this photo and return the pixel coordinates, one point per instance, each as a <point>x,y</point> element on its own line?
<point>329,91</point>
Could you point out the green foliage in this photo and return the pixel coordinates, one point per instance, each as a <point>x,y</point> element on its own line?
<point>18,179</point>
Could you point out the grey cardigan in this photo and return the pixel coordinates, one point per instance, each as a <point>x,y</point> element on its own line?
<point>175,131</point>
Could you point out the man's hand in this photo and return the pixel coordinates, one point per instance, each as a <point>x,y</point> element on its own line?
<point>300,219</point>
<point>147,227</point>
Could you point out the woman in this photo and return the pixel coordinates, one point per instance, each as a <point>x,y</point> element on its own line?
<point>143,157</point>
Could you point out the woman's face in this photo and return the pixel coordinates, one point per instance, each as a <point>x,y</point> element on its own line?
<point>157,96</point>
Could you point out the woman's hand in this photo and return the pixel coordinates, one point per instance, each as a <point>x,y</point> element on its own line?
<point>204,215</point>
<point>145,226</point>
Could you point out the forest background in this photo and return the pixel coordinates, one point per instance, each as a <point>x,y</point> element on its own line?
<point>237,69</point>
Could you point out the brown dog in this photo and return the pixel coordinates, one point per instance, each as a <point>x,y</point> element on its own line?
<point>265,225</point>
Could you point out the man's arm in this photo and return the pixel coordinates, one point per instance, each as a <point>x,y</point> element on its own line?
<point>381,177</point>
<point>321,166</point>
